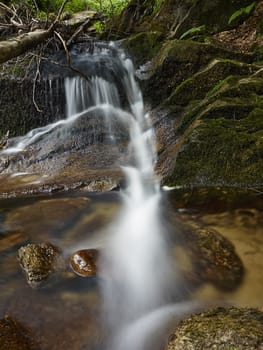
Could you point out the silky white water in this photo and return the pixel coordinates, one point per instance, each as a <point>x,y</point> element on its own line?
<point>135,271</point>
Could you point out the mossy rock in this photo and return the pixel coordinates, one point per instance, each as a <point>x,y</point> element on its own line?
<point>179,60</point>
<point>220,329</point>
<point>175,17</point>
<point>143,46</point>
<point>222,137</point>
<point>211,77</point>
<point>134,18</point>
<point>222,152</point>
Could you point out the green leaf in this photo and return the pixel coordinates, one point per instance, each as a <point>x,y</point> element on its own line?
<point>192,31</point>
<point>243,11</point>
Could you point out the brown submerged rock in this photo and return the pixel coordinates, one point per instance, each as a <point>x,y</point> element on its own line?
<point>220,329</point>
<point>39,261</point>
<point>210,257</point>
<point>85,262</point>
<point>14,336</point>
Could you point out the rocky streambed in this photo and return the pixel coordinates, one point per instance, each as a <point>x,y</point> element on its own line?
<point>47,302</point>
<point>201,75</point>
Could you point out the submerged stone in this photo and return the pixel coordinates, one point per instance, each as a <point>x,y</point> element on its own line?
<point>85,262</point>
<point>39,261</point>
<point>210,258</point>
<point>14,336</point>
<point>220,329</point>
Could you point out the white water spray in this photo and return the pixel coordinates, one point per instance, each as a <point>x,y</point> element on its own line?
<point>134,267</point>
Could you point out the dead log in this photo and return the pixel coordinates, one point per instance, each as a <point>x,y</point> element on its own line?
<point>16,46</point>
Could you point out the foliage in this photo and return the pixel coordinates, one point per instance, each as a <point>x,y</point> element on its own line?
<point>244,11</point>
<point>157,5</point>
<point>107,7</point>
<point>192,31</point>
<point>49,6</point>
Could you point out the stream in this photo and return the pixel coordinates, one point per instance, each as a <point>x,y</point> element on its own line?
<point>68,311</point>
<point>143,284</point>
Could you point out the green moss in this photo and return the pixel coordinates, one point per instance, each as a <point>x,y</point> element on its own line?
<point>179,60</point>
<point>222,151</point>
<point>143,46</point>
<point>229,80</point>
<point>205,82</point>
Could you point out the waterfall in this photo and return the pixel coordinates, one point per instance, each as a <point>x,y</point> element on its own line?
<point>135,271</point>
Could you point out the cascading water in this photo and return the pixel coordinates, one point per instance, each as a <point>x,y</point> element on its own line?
<point>135,269</point>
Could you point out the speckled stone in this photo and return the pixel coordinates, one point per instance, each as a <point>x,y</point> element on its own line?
<point>220,329</point>
<point>39,261</point>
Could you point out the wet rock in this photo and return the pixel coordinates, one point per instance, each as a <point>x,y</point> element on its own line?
<point>210,257</point>
<point>220,329</point>
<point>85,262</point>
<point>39,261</point>
<point>14,336</point>
<point>4,141</point>
<point>103,185</point>
<point>220,137</point>
<point>79,18</point>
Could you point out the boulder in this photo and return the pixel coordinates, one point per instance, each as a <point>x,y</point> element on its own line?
<point>220,329</point>
<point>207,256</point>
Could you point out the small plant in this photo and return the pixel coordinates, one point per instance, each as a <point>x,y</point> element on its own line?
<point>157,5</point>
<point>52,6</point>
<point>108,7</point>
<point>192,31</point>
<point>244,11</point>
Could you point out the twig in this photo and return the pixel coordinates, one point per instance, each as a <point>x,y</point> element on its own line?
<point>65,46</point>
<point>37,75</point>
<point>58,16</point>
<point>79,30</point>
<point>8,9</point>
<point>63,66</point>
<point>36,6</point>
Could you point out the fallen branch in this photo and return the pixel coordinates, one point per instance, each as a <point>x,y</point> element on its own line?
<point>14,47</point>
